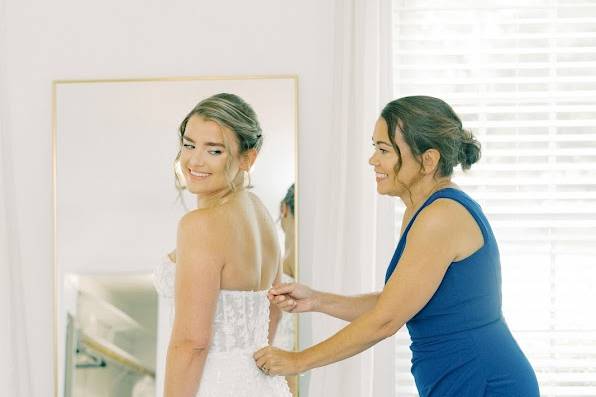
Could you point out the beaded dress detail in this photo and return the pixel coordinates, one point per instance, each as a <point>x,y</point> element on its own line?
<point>240,328</point>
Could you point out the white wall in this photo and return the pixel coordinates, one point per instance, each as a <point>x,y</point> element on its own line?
<point>45,41</point>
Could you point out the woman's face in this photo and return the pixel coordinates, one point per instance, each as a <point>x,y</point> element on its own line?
<point>204,157</point>
<point>385,158</point>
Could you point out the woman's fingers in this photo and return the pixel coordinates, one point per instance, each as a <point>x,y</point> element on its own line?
<point>282,289</point>
<point>284,299</point>
<point>283,302</point>
<point>261,362</point>
<point>280,298</point>
<point>260,357</point>
<point>260,353</point>
<point>287,305</point>
<point>273,361</point>
<point>264,359</point>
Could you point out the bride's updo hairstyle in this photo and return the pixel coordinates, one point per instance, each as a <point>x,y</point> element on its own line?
<point>231,112</point>
<point>430,123</point>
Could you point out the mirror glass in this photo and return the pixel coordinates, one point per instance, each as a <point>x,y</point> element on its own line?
<point>116,212</point>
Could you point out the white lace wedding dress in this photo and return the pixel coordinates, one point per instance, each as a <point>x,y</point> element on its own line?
<point>240,328</point>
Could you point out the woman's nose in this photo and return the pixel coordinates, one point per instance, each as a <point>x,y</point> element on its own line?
<point>197,160</point>
<point>372,160</point>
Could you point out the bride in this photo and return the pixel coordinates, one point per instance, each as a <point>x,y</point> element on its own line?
<point>227,257</point>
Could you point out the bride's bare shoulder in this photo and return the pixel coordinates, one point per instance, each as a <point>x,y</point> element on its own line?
<point>254,197</point>
<point>199,221</point>
<point>258,203</point>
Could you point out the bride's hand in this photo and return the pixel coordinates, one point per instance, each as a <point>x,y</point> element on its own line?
<point>293,298</point>
<point>274,361</point>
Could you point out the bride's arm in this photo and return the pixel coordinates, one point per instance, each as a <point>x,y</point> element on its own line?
<point>198,272</point>
<point>298,298</point>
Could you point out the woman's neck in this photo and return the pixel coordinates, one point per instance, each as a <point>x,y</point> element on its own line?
<point>419,193</point>
<point>222,196</point>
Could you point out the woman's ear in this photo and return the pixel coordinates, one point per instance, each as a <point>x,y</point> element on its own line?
<point>430,161</point>
<point>247,159</point>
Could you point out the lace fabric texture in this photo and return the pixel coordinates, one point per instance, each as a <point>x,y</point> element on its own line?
<point>240,327</point>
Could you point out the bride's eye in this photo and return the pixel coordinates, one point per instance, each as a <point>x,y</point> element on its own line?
<point>188,146</point>
<point>215,152</point>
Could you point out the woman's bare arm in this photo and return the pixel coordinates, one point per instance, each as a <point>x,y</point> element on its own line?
<point>298,298</point>
<point>345,307</point>
<point>198,273</point>
<point>432,245</point>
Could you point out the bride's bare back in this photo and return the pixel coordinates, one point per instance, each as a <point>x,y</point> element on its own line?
<point>250,248</point>
<point>222,250</point>
<point>251,251</point>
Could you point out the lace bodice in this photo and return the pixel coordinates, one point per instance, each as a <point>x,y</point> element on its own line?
<point>241,320</point>
<point>240,327</point>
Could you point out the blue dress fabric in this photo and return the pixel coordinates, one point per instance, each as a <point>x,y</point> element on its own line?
<point>461,345</point>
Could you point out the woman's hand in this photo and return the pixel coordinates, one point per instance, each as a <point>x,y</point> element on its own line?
<point>293,298</point>
<point>274,361</point>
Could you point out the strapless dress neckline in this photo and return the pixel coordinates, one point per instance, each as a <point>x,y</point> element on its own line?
<point>227,291</point>
<point>240,327</point>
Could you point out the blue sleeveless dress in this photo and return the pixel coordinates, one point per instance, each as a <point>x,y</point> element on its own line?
<point>461,345</point>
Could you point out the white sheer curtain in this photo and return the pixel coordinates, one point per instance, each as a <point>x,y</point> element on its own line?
<point>349,220</point>
<point>14,374</point>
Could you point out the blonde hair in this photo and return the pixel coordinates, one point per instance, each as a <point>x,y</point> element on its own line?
<point>231,112</point>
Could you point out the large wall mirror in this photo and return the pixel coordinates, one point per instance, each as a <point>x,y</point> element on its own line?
<point>116,213</point>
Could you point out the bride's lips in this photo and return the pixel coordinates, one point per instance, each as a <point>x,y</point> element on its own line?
<point>197,175</point>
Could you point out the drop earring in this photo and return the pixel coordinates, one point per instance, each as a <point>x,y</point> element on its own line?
<point>249,186</point>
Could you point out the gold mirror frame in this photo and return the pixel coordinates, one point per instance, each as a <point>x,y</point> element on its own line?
<point>54,108</point>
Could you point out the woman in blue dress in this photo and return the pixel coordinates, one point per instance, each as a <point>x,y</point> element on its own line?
<point>444,280</point>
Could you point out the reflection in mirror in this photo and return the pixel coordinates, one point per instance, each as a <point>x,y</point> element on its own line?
<point>286,337</point>
<point>116,215</point>
<point>111,335</point>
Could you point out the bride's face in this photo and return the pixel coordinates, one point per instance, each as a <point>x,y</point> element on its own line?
<point>208,162</point>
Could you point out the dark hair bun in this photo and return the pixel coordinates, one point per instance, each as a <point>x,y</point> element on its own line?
<point>469,152</point>
<point>289,198</point>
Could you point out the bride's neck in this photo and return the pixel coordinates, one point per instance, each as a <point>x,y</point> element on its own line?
<point>222,196</point>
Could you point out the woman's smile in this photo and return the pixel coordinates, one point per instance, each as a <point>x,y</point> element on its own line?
<point>380,176</point>
<point>197,175</point>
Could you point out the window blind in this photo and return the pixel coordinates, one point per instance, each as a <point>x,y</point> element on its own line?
<point>522,76</point>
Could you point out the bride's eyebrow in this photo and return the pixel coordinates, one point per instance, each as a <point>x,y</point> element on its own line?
<point>206,143</point>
